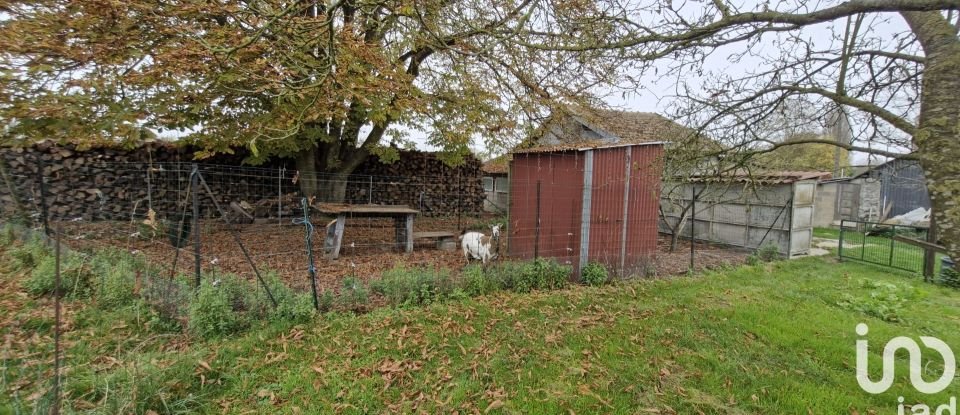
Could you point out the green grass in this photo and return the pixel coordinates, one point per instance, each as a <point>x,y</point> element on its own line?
<point>826,233</point>
<point>772,338</point>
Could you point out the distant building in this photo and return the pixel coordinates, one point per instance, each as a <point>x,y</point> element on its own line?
<point>496,186</point>
<point>878,193</point>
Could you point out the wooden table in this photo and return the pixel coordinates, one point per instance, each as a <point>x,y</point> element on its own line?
<point>402,216</point>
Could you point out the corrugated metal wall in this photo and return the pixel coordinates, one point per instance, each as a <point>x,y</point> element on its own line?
<point>621,206</point>
<point>561,188</point>
<point>642,215</point>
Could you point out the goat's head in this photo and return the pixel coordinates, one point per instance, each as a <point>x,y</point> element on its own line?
<point>495,231</point>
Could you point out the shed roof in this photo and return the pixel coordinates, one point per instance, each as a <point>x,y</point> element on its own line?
<point>631,126</point>
<point>614,128</point>
<point>582,146</point>
<point>497,165</point>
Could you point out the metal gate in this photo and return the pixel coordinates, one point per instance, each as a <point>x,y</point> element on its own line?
<point>882,244</point>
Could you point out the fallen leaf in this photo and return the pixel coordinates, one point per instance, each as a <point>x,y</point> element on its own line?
<point>493,405</point>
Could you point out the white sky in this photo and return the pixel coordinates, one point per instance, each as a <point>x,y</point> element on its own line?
<point>656,96</point>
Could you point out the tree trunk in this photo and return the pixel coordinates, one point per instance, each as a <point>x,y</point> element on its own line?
<point>306,161</point>
<point>938,135</point>
<point>327,185</point>
<point>333,188</point>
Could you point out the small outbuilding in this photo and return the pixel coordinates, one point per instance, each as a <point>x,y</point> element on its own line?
<point>587,201</point>
<point>746,210</point>
<point>496,186</point>
<point>875,194</point>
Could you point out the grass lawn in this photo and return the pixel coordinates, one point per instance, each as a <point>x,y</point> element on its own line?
<point>771,338</point>
<point>826,233</point>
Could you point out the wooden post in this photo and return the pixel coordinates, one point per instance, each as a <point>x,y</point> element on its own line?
<point>337,236</point>
<point>408,231</point>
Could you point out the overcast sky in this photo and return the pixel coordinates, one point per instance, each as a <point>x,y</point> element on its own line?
<point>657,94</point>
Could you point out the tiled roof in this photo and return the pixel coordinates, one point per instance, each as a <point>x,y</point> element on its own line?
<point>633,127</point>
<point>767,177</point>
<point>498,165</point>
<point>580,146</point>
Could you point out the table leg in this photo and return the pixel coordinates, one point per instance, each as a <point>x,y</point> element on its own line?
<point>409,228</point>
<point>337,237</point>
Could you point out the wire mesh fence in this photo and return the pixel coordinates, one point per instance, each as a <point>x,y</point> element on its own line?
<point>189,222</point>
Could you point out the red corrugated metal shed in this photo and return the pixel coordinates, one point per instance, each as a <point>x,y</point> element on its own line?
<point>595,204</point>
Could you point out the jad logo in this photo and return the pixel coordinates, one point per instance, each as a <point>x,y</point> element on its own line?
<point>916,370</point>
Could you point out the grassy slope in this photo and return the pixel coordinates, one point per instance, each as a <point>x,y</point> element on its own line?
<point>764,339</point>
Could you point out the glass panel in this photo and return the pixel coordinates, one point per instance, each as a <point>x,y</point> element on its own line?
<point>487,184</point>
<point>502,184</point>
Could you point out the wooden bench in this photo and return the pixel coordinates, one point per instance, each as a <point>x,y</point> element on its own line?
<point>445,240</point>
<point>401,215</point>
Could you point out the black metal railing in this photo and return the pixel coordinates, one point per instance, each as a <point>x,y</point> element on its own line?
<point>882,244</point>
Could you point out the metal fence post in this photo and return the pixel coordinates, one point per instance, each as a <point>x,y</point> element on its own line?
<point>44,211</point>
<point>536,238</point>
<point>893,241</point>
<point>194,189</point>
<point>56,324</point>
<point>840,245</point>
<point>459,205</point>
<point>280,196</point>
<point>693,222</point>
<point>311,269</point>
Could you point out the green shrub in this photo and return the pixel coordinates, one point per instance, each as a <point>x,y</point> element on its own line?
<point>325,301</point>
<point>8,235</point>
<point>595,274</point>
<point>523,277</point>
<point>414,286</point>
<point>115,272</point>
<point>30,253</point>
<point>476,282</point>
<point>753,259</point>
<point>551,275</point>
<point>950,277</point>
<point>75,276</point>
<point>353,294</point>
<point>768,253</point>
<point>212,312</point>
<point>291,305</point>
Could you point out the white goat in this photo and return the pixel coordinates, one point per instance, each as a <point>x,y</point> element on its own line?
<point>479,246</point>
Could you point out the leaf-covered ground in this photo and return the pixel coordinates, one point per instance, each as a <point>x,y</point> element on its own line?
<point>772,338</point>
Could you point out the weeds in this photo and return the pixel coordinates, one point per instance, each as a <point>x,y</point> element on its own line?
<point>950,277</point>
<point>885,300</point>
<point>76,276</point>
<point>353,295</point>
<point>594,274</point>
<point>402,285</point>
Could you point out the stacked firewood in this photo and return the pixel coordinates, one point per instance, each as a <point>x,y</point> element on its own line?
<point>421,181</point>
<point>119,184</point>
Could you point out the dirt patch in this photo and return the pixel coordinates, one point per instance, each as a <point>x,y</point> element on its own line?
<point>368,249</point>
<point>706,256</point>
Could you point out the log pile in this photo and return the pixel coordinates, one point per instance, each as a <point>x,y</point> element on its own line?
<point>118,184</point>
<point>421,181</point>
